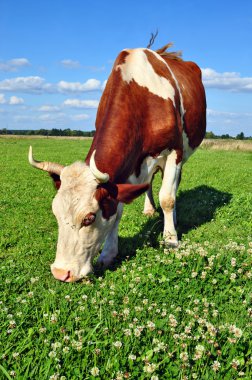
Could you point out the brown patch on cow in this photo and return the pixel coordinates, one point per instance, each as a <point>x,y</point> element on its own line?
<point>127,192</point>
<point>167,204</point>
<point>158,66</point>
<point>106,198</point>
<point>121,58</point>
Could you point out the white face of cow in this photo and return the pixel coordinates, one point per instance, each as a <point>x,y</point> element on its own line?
<point>82,226</point>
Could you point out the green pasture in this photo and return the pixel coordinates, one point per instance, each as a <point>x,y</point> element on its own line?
<point>158,313</point>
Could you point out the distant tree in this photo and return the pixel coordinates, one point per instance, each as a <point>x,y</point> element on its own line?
<point>226,136</point>
<point>210,135</point>
<point>240,136</point>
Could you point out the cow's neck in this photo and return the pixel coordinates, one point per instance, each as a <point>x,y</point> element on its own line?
<point>116,154</point>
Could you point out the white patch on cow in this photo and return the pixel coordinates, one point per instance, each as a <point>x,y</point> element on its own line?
<point>138,68</point>
<point>187,150</point>
<point>167,197</point>
<point>149,167</point>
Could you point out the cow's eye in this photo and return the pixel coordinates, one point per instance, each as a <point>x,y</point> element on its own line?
<point>89,219</point>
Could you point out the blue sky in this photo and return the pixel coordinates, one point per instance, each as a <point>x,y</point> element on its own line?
<point>55,56</point>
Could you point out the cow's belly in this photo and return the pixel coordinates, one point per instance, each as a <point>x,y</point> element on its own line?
<point>149,167</point>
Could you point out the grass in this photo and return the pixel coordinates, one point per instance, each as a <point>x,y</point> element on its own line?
<point>157,313</point>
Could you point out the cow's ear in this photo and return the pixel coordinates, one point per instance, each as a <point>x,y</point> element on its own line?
<point>56,180</point>
<point>127,192</point>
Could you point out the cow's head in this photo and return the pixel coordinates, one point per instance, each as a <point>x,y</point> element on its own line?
<point>85,207</point>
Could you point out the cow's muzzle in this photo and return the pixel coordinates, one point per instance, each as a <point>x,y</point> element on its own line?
<point>63,275</point>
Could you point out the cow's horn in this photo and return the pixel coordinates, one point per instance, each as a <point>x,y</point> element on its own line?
<point>50,167</point>
<point>101,177</point>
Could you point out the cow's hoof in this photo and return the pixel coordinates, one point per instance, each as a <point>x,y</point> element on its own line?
<point>149,212</point>
<point>170,243</point>
<point>104,262</point>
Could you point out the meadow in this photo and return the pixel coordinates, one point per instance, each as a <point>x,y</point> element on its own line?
<point>157,313</point>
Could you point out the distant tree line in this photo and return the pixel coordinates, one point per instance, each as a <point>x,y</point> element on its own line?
<point>74,133</point>
<point>240,136</point>
<point>47,132</point>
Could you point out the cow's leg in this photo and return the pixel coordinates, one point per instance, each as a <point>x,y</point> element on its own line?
<point>110,248</point>
<point>167,198</point>
<point>149,204</point>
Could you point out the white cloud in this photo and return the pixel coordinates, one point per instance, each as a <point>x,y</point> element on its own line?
<point>214,113</point>
<point>52,117</point>
<point>36,84</point>
<point>49,108</point>
<point>14,100</point>
<point>32,84</point>
<point>2,99</point>
<point>14,64</point>
<point>89,85</point>
<point>231,81</point>
<point>70,64</point>
<point>80,117</point>
<point>77,103</point>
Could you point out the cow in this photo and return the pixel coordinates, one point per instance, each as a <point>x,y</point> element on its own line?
<point>151,117</point>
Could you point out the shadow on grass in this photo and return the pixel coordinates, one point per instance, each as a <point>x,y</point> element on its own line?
<point>195,207</point>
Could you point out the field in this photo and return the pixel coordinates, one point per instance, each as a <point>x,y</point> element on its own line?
<point>158,313</point>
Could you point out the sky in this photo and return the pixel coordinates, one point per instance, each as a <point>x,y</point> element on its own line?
<point>56,55</point>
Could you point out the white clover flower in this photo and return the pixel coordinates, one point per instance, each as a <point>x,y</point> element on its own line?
<point>235,363</point>
<point>117,344</point>
<point>150,367</point>
<point>52,354</point>
<point>151,325</point>
<point>95,371</point>
<point>203,275</point>
<point>54,318</point>
<point>12,324</point>
<point>126,312</point>
<point>15,355</point>
<point>216,366</point>
<point>119,375</point>
<point>184,356</point>
<point>56,345</point>
<point>127,332</point>
<point>233,261</point>
<point>55,376</point>
<point>172,321</point>
<point>137,332</point>
<point>237,332</point>
<point>132,357</point>
<point>66,350</point>
<point>233,276</point>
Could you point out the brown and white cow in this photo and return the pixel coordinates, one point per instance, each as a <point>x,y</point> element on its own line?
<point>152,116</point>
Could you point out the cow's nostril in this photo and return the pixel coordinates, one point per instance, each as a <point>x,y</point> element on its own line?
<point>62,274</point>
